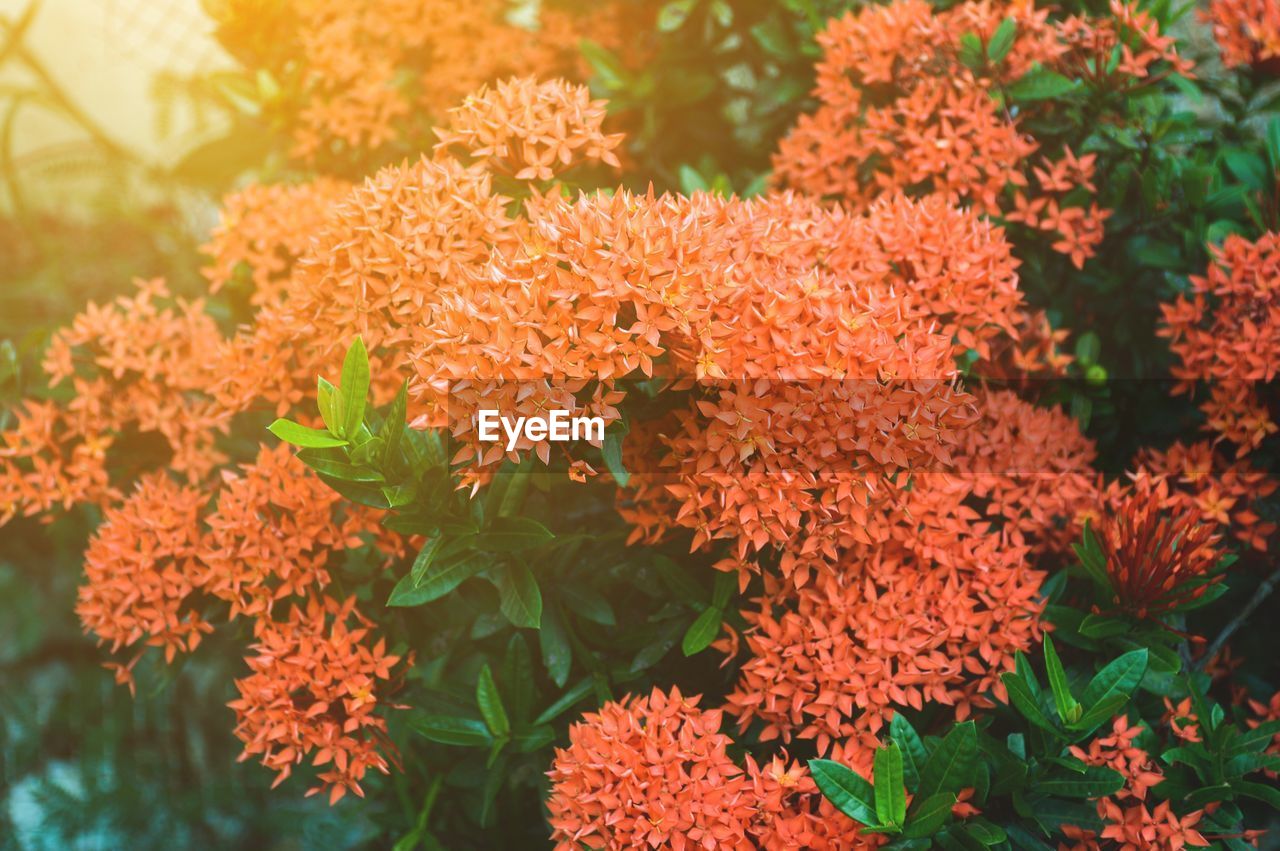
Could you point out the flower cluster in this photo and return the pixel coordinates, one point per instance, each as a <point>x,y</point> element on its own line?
<point>1130,824</point>
<point>1220,490</point>
<point>530,130</point>
<point>818,433</point>
<point>313,691</point>
<point>831,660</point>
<point>899,109</point>
<point>367,68</point>
<point>141,572</point>
<point>1228,335</point>
<point>1157,561</point>
<point>655,772</point>
<point>142,364</point>
<point>1247,31</point>
<point>263,231</point>
<point>163,554</point>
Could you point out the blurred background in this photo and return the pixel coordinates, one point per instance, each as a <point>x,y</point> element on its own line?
<point>107,123</point>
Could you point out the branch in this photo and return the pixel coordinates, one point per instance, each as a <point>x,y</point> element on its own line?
<point>1264,590</point>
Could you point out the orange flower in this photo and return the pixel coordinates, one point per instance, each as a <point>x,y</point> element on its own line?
<point>1247,31</point>
<point>1220,491</point>
<point>530,130</point>
<point>1228,333</point>
<point>139,364</point>
<point>1264,712</point>
<point>649,772</point>
<point>1131,826</point>
<point>358,65</point>
<point>273,533</point>
<point>141,570</point>
<point>313,692</point>
<point>1157,561</point>
<point>267,228</point>
<point>832,660</point>
<point>899,111</point>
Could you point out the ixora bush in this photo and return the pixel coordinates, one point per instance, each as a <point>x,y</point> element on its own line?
<point>833,471</point>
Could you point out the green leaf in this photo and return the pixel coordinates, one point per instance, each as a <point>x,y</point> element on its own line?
<point>393,426</point>
<point>612,447</point>
<point>447,730</point>
<point>1024,840</point>
<point>1250,741</point>
<point>489,700</point>
<point>519,597</point>
<point>300,435</point>
<point>1002,40</point>
<point>608,69</point>
<point>1273,144</point>
<point>512,534</point>
<point>398,496</point>
<point>1269,795</point>
<point>437,579</point>
<point>1102,626</point>
<point>986,832</point>
<point>562,704</point>
<point>726,583</point>
<point>353,392</point>
<point>514,496</point>
<point>1094,782</point>
<point>890,787</point>
<point>690,182</point>
<point>1247,167</point>
<point>535,739</point>
<point>702,631</point>
<point>517,678</point>
<point>929,815</point>
<point>847,791</point>
<point>951,765</point>
<point>1118,677</point>
<point>1101,712</point>
<point>678,581</point>
<point>358,492</point>
<point>913,750</point>
<point>326,393</point>
<point>772,37</point>
<point>1025,702</point>
<point>588,603</point>
<point>1068,709</point>
<point>672,16</point>
<point>1040,84</point>
<point>1022,666</point>
<point>971,53</point>
<point>339,470</point>
<point>1087,348</point>
<point>557,653</point>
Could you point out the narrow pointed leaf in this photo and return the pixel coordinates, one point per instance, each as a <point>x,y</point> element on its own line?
<point>489,699</point>
<point>300,435</point>
<point>519,597</point>
<point>353,389</point>
<point>512,534</point>
<point>890,788</point>
<point>702,631</point>
<point>1068,708</point>
<point>913,750</point>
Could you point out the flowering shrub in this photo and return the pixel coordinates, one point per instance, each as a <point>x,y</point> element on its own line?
<point>846,463</point>
<point>931,124</point>
<point>1248,33</point>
